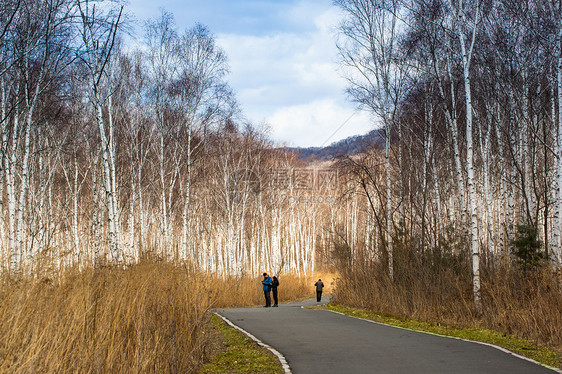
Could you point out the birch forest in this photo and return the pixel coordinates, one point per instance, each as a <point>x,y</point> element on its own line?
<point>468,94</point>
<point>121,150</point>
<point>112,153</point>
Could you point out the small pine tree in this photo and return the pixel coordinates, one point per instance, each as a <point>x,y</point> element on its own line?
<point>527,247</point>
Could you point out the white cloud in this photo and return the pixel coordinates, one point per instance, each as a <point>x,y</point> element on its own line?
<point>291,80</point>
<point>317,123</point>
<point>283,63</point>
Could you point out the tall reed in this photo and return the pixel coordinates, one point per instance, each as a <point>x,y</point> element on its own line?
<point>438,288</point>
<point>147,318</point>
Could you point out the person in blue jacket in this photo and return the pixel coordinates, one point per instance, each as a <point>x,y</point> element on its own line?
<point>267,282</point>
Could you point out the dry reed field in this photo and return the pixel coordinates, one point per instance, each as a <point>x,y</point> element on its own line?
<point>528,306</point>
<point>147,318</point>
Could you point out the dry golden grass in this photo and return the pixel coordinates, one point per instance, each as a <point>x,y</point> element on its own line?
<point>247,291</point>
<point>149,318</point>
<point>528,306</point>
<point>329,280</point>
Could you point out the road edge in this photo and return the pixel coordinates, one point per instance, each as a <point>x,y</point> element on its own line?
<point>280,357</point>
<point>454,337</point>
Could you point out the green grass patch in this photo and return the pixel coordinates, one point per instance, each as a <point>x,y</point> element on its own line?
<point>525,348</point>
<point>242,355</point>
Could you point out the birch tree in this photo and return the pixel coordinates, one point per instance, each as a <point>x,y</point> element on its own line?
<point>555,8</point>
<point>37,38</point>
<point>201,98</point>
<point>139,135</point>
<point>466,18</point>
<point>371,54</point>
<point>161,38</point>
<point>99,32</point>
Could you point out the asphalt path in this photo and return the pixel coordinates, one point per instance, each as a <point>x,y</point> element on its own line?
<point>320,341</point>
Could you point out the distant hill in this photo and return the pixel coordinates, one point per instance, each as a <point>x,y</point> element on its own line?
<point>348,146</point>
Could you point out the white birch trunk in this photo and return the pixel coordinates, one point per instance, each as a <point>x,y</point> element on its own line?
<point>132,255</point>
<point>473,199</point>
<point>388,202</point>
<point>513,175</point>
<point>75,235</point>
<point>556,251</point>
<point>556,222</point>
<point>219,239</point>
<point>116,242</point>
<point>163,204</point>
<point>428,151</point>
<point>523,156</point>
<point>474,244</point>
<point>184,236</point>
<point>453,122</point>
<point>275,240</point>
<point>241,243</point>
<point>485,149</point>
<point>436,197</point>
<point>99,65</point>
<point>108,185</point>
<point>5,249</point>
<point>313,249</point>
<point>142,223</point>
<point>9,160</point>
<point>24,181</point>
<point>97,217</point>
<point>15,254</point>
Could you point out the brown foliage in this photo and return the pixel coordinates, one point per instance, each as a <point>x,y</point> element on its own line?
<point>149,318</point>
<point>527,305</point>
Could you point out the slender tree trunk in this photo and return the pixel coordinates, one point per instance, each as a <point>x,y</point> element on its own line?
<point>15,254</point>
<point>75,233</point>
<point>109,187</point>
<point>511,217</point>
<point>163,204</point>
<point>556,251</point>
<point>388,202</point>
<point>475,249</point>
<point>473,199</point>
<point>142,223</point>
<point>453,124</point>
<point>523,150</point>
<point>24,179</point>
<point>556,223</point>
<point>184,243</point>
<point>132,253</point>
<point>485,149</point>
<point>115,210</point>
<point>97,217</point>
<point>437,198</point>
<point>5,249</point>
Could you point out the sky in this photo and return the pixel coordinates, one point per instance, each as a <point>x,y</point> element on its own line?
<point>283,63</point>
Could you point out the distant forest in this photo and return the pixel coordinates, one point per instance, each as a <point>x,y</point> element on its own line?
<point>350,146</point>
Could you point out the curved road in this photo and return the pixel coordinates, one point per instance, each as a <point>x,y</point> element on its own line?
<point>319,341</point>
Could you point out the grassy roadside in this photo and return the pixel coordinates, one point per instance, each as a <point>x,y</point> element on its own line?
<point>241,355</point>
<point>522,347</point>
